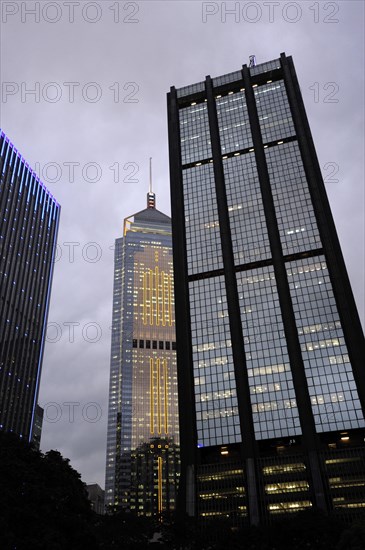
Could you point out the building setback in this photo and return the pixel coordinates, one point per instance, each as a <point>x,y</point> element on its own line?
<point>28,233</point>
<point>270,350</point>
<point>142,463</point>
<point>96,497</point>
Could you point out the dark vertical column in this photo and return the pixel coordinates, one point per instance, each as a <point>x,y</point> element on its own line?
<point>239,359</point>
<point>336,265</point>
<point>292,340</point>
<point>187,416</point>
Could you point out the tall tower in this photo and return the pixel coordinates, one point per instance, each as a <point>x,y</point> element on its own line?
<point>142,463</point>
<point>270,347</point>
<point>29,217</point>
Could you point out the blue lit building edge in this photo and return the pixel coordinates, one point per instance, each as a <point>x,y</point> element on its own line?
<point>31,216</point>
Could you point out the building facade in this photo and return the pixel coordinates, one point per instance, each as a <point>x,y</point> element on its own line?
<point>96,497</point>
<point>28,233</point>
<point>142,464</point>
<point>270,347</point>
<point>37,426</point>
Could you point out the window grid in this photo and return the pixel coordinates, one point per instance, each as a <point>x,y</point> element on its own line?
<point>227,78</point>
<point>332,389</point>
<point>264,67</point>
<point>203,245</point>
<point>246,213</point>
<point>233,121</point>
<point>191,89</point>
<point>294,210</point>
<point>194,133</point>
<point>274,407</point>
<point>215,386</point>
<point>273,110</point>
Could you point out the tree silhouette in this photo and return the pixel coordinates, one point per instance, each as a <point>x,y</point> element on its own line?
<point>43,502</point>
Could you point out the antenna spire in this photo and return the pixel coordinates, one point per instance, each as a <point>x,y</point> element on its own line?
<point>151,197</point>
<point>150,190</point>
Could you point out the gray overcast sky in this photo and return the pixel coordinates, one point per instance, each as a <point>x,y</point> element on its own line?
<point>100,71</point>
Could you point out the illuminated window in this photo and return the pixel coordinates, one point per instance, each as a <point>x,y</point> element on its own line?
<point>284,468</point>
<point>285,507</point>
<point>286,487</point>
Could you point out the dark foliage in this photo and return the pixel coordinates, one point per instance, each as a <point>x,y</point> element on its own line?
<point>43,503</point>
<point>125,531</point>
<point>353,538</point>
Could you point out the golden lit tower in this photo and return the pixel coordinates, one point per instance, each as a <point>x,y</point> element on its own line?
<point>143,432</point>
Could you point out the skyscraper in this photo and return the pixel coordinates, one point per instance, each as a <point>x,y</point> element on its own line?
<point>269,342</point>
<point>37,426</point>
<point>96,497</point>
<point>28,232</point>
<point>143,429</point>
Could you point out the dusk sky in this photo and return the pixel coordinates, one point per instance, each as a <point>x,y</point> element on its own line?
<point>83,97</point>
